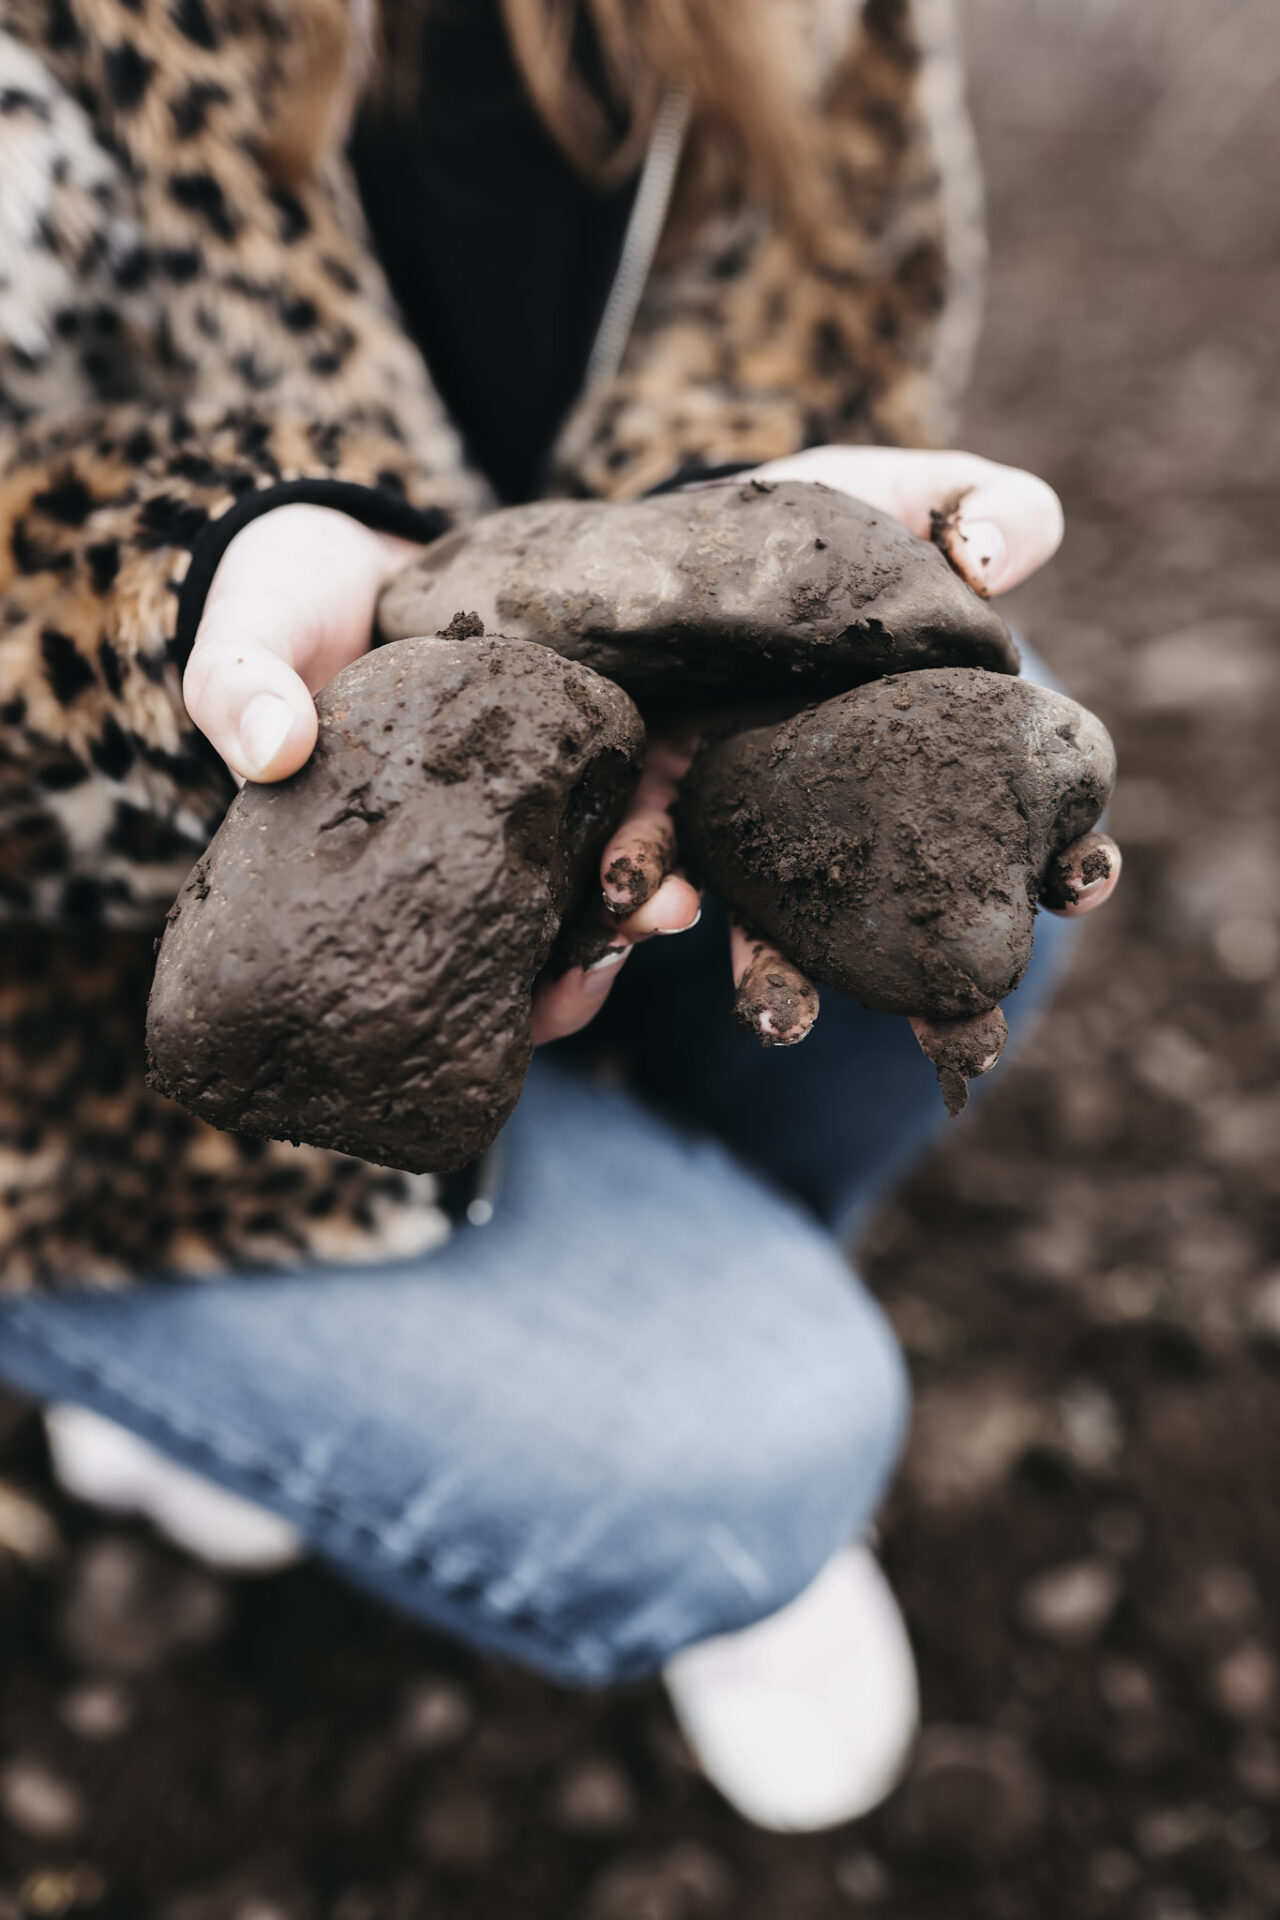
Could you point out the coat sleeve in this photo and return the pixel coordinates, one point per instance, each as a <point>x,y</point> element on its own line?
<point>192,331</point>
<point>752,342</point>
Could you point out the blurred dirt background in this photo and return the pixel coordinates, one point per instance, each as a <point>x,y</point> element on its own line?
<point>1087,1531</point>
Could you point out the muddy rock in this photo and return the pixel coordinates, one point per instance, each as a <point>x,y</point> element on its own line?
<point>351,962</point>
<point>786,588</point>
<point>894,841</point>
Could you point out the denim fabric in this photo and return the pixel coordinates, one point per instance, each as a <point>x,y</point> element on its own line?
<point>642,1406</point>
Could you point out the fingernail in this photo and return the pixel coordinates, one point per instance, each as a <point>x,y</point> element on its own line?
<point>983,552</point>
<point>611,957</point>
<point>688,926</point>
<point>264,726</point>
<point>598,975</point>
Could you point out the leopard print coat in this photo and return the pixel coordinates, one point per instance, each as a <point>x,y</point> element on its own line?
<point>192,329</point>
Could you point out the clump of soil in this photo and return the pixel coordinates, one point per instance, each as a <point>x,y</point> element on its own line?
<point>755,590</point>
<point>894,841</point>
<point>351,962</point>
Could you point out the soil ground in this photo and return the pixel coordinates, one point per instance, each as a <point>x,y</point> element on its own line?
<point>1086,1533</point>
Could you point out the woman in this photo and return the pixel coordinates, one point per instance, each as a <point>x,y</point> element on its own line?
<point>638,1418</point>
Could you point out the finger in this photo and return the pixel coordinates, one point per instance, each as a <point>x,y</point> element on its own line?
<point>774,998</point>
<point>996,524</point>
<point>961,1051</point>
<point>637,860</point>
<point>291,604</point>
<point>250,703</point>
<point>675,908</point>
<point>1083,877</point>
<point>639,856</point>
<point>566,1005</point>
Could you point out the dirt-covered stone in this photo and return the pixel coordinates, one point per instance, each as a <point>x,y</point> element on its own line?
<point>753,590</point>
<point>894,841</point>
<point>351,962</point>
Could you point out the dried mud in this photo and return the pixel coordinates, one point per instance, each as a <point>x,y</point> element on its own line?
<point>351,962</point>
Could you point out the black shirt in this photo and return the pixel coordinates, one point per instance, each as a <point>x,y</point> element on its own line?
<point>500,254</point>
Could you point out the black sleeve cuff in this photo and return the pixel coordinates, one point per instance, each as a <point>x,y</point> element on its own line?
<point>376,507</point>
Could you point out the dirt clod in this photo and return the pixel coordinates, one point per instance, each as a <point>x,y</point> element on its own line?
<point>894,841</point>
<point>413,877</point>
<point>790,588</point>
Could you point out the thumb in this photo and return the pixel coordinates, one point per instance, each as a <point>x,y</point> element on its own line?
<point>291,604</point>
<point>247,699</point>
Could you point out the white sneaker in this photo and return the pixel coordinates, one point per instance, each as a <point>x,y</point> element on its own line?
<point>806,1719</point>
<point>108,1466</point>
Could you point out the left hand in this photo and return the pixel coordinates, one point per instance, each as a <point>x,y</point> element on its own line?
<point>1002,525</point>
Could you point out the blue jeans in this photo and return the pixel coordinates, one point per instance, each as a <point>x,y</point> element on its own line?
<point>643,1406</point>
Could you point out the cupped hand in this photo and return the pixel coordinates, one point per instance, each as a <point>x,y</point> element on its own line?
<point>292,603</point>
<point>997,526</point>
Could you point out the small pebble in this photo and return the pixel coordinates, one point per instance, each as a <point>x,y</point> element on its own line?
<point>861,1879</point>
<point>1070,1605</point>
<point>1227,1596</point>
<point>37,1801</point>
<point>1091,1428</point>
<point>1244,1682</point>
<point>27,1529</point>
<point>131,1608</point>
<point>98,1710</point>
<point>1127,1687</point>
<point>434,1715</point>
<point>967,1436</point>
<point>1172,1830</point>
<point>55,1891</point>
<point>595,1797</point>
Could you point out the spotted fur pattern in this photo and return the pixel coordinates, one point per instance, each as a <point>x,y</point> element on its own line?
<point>189,312</point>
<point>104,1180</point>
<point>750,343</point>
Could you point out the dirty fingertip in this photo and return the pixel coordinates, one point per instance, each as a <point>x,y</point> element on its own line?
<point>1082,875</point>
<point>775,1000</point>
<point>961,1051</point>
<point>631,879</point>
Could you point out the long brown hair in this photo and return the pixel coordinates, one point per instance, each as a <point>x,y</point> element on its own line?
<point>728,55</point>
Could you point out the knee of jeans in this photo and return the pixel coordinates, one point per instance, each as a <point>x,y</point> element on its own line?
<point>812,1469</point>
<point>797,1466</point>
